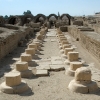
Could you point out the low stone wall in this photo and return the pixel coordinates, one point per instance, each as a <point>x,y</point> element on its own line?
<point>96,27</point>
<point>9,38</point>
<point>64,28</point>
<point>89,39</point>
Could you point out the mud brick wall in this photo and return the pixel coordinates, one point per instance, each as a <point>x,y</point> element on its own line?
<point>89,39</point>
<point>11,42</point>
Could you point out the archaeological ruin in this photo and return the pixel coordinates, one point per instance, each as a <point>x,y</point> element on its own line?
<point>56,55</point>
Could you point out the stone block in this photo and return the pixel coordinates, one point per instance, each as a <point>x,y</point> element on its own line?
<point>73,56</point>
<point>66,46</point>
<point>21,66</point>
<point>83,74</point>
<point>26,57</point>
<point>30,51</point>
<point>13,79</point>
<point>41,72</point>
<point>57,67</point>
<point>81,88</point>
<point>67,50</point>
<point>65,42</point>
<point>18,89</point>
<point>75,65</point>
<point>43,67</point>
<point>32,46</point>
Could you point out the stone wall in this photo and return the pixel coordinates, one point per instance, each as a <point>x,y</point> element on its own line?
<point>9,38</point>
<point>88,38</point>
<point>64,28</point>
<point>96,27</point>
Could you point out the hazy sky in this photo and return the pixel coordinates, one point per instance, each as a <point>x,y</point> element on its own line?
<point>72,7</point>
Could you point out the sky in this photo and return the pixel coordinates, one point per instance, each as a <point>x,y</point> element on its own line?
<point>72,7</point>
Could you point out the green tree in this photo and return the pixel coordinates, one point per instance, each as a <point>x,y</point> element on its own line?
<point>27,12</point>
<point>5,17</point>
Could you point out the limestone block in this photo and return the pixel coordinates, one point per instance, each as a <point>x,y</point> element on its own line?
<point>42,32</point>
<point>40,37</point>
<point>67,50</point>
<point>65,42</point>
<point>32,46</point>
<point>66,46</point>
<point>43,67</point>
<point>60,32</point>
<point>36,40</point>
<point>78,88</point>
<point>26,73</point>
<point>63,39</point>
<point>42,73</point>
<point>61,35</point>
<point>75,65</point>
<point>21,66</point>
<point>21,88</point>
<point>26,57</point>
<point>13,79</point>
<point>30,51</point>
<point>81,88</point>
<point>73,56</point>
<point>37,43</point>
<point>83,74</point>
<point>57,67</point>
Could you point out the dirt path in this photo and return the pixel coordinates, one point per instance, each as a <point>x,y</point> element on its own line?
<point>54,86</point>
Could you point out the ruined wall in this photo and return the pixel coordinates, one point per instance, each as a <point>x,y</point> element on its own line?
<point>73,31</point>
<point>89,39</point>
<point>9,39</point>
<point>64,28</point>
<point>96,27</point>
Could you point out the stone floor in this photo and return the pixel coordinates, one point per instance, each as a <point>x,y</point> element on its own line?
<point>53,86</point>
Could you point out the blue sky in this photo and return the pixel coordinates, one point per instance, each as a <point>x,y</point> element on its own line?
<point>72,7</point>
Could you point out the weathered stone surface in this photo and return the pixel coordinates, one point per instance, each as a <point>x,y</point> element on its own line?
<point>21,66</point>
<point>26,57</point>
<point>67,50</point>
<point>43,67</point>
<point>73,56</point>
<point>74,65</point>
<point>13,79</point>
<point>83,74</point>
<point>32,46</point>
<point>41,72</point>
<point>22,87</point>
<point>57,67</point>
<point>81,88</point>
<point>69,72</point>
<point>61,51</point>
<point>30,51</point>
<point>66,46</point>
<point>82,82</point>
<point>65,42</point>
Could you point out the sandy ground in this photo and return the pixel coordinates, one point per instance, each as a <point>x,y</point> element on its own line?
<point>54,86</point>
